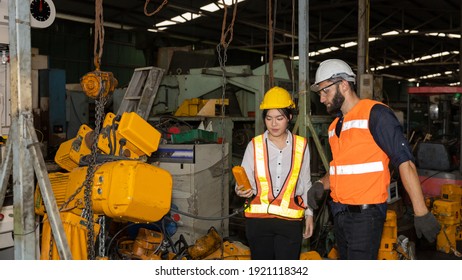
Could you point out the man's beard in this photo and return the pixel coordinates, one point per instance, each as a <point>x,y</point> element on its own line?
<point>337,103</point>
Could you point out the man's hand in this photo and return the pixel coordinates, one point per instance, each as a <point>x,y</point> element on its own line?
<point>428,226</point>
<point>315,193</point>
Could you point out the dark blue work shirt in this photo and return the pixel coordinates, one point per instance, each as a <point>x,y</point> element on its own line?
<point>388,134</point>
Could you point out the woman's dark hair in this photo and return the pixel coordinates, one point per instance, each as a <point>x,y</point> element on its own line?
<point>287,112</point>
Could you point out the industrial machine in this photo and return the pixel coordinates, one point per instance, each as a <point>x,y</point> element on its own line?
<point>200,186</point>
<point>437,142</point>
<point>124,187</point>
<point>447,209</point>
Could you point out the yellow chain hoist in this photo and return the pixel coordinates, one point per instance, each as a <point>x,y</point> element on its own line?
<point>98,82</point>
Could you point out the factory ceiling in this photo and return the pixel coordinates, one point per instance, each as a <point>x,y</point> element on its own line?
<point>415,40</point>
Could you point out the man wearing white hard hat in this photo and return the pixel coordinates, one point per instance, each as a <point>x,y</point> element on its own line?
<point>364,138</point>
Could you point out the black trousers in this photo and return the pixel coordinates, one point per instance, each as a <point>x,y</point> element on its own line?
<point>358,235</point>
<point>274,239</point>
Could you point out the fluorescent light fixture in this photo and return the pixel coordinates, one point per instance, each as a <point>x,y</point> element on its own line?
<point>448,35</point>
<point>179,19</point>
<point>349,44</point>
<point>327,50</point>
<point>389,33</point>
<point>231,2</point>
<point>454,36</point>
<point>156,29</point>
<point>165,23</point>
<point>212,7</point>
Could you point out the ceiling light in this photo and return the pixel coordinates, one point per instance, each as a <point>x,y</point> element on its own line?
<point>165,23</point>
<point>389,33</point>
<point>212,7</point>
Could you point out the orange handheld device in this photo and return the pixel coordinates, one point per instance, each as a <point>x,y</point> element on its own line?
<point>241,177</point>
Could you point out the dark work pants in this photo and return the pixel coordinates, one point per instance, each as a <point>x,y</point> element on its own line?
<point>358,235</point>
<point>274,239</point>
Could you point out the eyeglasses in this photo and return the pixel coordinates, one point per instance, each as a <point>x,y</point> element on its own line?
<point>323,90</point>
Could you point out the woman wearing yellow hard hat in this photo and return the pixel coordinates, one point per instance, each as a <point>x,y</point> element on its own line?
<point>277,164</point>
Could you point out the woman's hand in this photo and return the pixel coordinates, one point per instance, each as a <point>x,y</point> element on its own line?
<point>243,193</point>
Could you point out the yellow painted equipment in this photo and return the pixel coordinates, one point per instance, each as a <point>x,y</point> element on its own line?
<point>241,177</point>
<point>134,138</point>
<point>128,135</point>
<point>389,239</point>
<point>447,212</point>
<point>199,107</point>
<point>310,255</point>
<point>76,234</point>
<point>205,245</point>
<point>231,251</point>
<point>333,254</point>
<point>123,190</point>
<point>59,183</point>
<point>147,244</point>
<point>93,82</point>
<point>69,152</point>
<point>452,192</point>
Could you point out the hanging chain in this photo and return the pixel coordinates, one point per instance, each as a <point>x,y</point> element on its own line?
<point>271,44</point>
<point>88,183</point>
<point>156,11</point>
<point>222,48</point>
<point>50,252</point>
<point>102,237</point>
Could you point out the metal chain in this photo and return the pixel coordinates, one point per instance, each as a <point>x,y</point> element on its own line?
<point>50,252</point>
<point>88,183</point>
<point>102,236</point>
<point>225,40</point>
<point>222,61</point>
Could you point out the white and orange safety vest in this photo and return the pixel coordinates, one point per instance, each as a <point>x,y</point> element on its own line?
<point>359,170</point>
<point>285,205</point>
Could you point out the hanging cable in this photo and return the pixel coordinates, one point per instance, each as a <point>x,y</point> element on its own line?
<point>222,48</point>
<point>99,33</point>
<point>292,65</point>
<point>227,33</point>
<point>271,45</point>
<point>156,11</point>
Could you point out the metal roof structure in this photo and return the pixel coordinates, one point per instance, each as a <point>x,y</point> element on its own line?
<point>416,40</point>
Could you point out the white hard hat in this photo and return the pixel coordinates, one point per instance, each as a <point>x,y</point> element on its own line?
<point>330,69</point>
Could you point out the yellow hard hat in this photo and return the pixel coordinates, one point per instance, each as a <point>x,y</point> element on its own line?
<point>277,98</point>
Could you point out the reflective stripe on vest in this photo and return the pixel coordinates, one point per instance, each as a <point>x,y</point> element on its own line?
<point>264,205</point>
<point>361,124</point>
<point>357,168</point>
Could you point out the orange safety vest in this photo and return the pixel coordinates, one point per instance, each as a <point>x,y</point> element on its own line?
<point>285,205</point>
<point>359,170</point>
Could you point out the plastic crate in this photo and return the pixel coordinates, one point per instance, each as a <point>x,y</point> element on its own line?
<point>195,136</point>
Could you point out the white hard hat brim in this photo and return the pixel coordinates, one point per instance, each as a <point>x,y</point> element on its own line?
<point>343,76</point>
